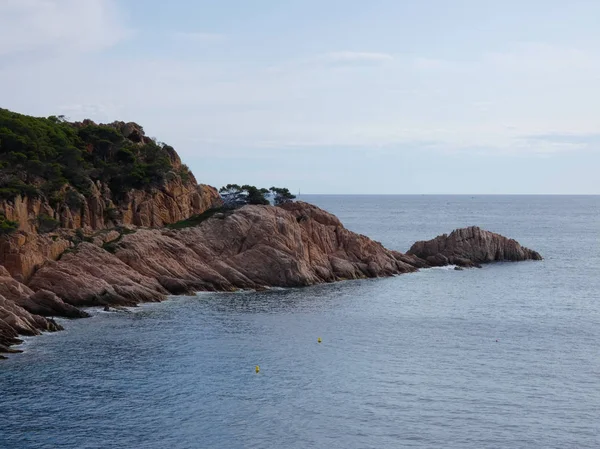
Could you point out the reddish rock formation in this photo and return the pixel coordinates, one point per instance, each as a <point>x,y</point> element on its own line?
<point>15,320</point>
<point>174,201</point>
<point>253,247</point>
<point>470,247</point>
<point>22,253</point>
<point>25,251</point>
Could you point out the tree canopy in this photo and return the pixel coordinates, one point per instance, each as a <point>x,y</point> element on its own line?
<point>281,195</point>
<point>234,195</point>
<point>40,155</point>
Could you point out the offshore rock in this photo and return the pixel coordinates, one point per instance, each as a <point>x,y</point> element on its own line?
<point>468,247</point>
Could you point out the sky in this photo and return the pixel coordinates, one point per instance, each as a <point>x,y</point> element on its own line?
<point>328,96</point>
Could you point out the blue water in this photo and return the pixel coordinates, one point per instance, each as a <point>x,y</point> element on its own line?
<point>410,361</point>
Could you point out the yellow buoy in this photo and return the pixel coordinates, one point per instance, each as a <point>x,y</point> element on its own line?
<point>257,368</point>
<point>319,340</point>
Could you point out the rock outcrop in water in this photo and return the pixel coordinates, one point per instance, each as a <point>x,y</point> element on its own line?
<point>254,247</point>
<point>469,247</point>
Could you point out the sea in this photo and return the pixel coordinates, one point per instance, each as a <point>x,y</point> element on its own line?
<point>507,356</point>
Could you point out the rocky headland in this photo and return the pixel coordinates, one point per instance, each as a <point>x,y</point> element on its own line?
<point>97,239</point>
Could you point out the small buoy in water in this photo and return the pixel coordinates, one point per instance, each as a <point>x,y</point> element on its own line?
<point>496,341</point>
<point>257,369</point>
<point>319,340</point>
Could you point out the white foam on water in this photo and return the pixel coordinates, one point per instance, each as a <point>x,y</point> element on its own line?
<point>446,268</point>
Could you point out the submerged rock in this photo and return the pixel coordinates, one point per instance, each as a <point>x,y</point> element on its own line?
<point>468,247</point>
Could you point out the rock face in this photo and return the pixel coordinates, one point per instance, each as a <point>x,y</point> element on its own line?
<point>23,252</point>
<point>254,247</point>
<point>15,319</point>
<point>471,247</point>
<point>175,200</point>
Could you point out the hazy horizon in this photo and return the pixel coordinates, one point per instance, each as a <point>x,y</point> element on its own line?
<point>330,97</point>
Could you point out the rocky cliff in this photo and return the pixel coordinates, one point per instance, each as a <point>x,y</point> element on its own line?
<point>254,247</point>
<point>61,182</point>
<point>64,184</point>
<point>22,252</point>
<point>158,205</point>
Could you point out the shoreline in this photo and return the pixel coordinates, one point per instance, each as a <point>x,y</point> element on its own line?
<point>254,248</point>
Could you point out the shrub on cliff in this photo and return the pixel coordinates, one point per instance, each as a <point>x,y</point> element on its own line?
<point>46,223</point>
<point>39,156</point>
<point>7,227</point>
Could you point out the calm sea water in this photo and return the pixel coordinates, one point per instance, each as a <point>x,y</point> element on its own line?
<point>503,357</point>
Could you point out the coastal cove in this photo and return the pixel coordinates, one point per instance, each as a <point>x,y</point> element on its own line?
<point>410,360</point>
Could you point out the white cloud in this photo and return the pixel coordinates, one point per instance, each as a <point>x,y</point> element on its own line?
<point>57,26</point>
<point>488,103</point>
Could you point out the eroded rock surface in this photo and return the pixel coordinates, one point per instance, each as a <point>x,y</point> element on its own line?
<point>471,247</point>
<point>254,247</point>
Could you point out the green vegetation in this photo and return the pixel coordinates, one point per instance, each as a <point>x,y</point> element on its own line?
<point>39,156</point>
<point>113,245</point>
<point>281,195</point>
<point>197,219</point>
<point>46,223</point>
<point>7,227</point>
<point>234,195</point>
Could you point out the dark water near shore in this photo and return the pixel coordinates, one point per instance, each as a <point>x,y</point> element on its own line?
<point>410,361</point>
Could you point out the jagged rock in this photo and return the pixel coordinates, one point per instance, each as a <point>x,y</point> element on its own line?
<point>24,252</point>
<point>469,247</point>
<point>15,321</point>
<point>46,303</point>
<point>91,276</point>
<point>253,247</point>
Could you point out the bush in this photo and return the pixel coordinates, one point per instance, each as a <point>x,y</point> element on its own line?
<point>74,200</point>
<point>111,213</point>
<point>46,224</point>
<point>195,220</point>
<point>185,174</point>
<point>7,227</point>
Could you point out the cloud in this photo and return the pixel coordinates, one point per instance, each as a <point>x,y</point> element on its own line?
<point>198,37</point>
<point>50,27</point>
<point>489,103</point>
<point>554,143</point>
